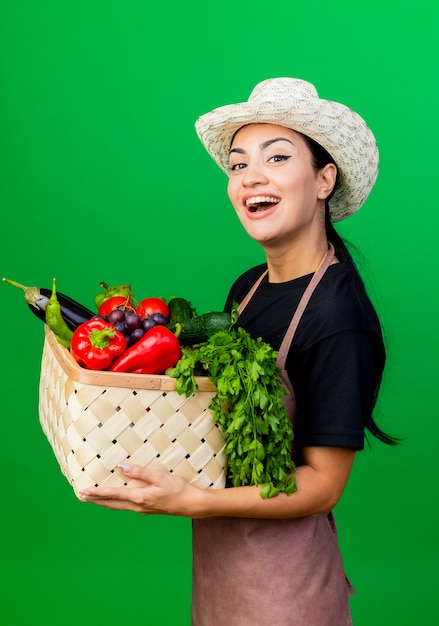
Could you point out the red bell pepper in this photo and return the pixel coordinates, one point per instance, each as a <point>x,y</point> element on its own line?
<point>157,350</point>
<point>96,343</point>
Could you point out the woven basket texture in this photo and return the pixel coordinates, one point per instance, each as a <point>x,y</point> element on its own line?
<point>94,427</point>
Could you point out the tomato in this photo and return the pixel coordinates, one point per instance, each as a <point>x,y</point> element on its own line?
<point>112,303</point>
<point>149,306</point>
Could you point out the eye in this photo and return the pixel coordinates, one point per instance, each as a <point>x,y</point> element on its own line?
<point>237,166</point>
<point>278,158</point>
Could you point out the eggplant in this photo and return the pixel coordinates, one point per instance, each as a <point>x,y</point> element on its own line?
<point>73,312</point>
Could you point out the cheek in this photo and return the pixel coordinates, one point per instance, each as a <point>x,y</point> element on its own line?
<point>232,192</point>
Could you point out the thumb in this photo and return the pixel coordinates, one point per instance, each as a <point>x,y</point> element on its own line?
<point>133,471</point>
<point>138,472</point>
<point>126,468</point>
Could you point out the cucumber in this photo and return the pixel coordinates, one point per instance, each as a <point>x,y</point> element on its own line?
<point>179,310</point>
<point>200,328</point>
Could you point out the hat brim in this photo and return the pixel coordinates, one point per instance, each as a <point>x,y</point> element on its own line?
<point>338,129</point>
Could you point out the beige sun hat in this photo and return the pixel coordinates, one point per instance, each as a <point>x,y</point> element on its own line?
<point>295,104</point>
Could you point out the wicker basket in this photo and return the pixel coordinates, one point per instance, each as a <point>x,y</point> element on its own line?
<point>96,420</point>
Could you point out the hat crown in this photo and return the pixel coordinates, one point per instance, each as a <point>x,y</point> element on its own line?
<point>283,89</point>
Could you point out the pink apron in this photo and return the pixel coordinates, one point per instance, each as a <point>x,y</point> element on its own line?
<point>262,572</point>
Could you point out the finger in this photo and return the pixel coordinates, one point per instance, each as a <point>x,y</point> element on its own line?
<point>103,493</point>
<point>116,493</point>
<point>145,474</point>
<point>116,505</point>
<point>117,498</point>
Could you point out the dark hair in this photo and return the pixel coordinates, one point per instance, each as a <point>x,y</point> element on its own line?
<point>321,157</point>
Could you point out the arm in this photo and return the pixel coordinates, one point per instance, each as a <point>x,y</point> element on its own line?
<point>320,484</point>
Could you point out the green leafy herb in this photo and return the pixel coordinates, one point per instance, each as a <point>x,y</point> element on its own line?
<point>248,406</point>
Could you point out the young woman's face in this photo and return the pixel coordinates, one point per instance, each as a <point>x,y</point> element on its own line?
<point>273,187</point>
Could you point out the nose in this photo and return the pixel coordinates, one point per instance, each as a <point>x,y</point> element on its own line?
<point>254,174</point>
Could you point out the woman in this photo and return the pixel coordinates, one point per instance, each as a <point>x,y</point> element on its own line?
<point>295,163</point>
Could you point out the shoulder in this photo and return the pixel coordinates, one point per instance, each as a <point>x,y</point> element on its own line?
<point>243,284</point>
<point>339,304</point>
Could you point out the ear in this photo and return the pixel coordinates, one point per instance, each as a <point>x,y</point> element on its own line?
<point>327,178</point>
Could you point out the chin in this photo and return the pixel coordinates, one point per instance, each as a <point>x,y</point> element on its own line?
<point>263,240</point>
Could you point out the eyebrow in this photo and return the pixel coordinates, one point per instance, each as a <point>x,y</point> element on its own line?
<point>263,145</point>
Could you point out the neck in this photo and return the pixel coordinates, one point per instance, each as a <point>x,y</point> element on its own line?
<point>298,259</point>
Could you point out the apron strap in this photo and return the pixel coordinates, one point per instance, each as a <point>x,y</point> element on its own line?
<point>247,298</point>
<point>289,335</point>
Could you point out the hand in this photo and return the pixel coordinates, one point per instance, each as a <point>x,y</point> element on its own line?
<point>161,493</point>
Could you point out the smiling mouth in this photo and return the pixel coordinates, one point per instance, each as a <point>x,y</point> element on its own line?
<point>260,203</point>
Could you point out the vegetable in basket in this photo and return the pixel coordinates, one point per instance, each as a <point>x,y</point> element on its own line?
<point>96,343</point>
<point>115,302</point>
<point>201,327</point>
<point>110,291</point>
<point>37,298</point>
<point>248,406</point>
<point>154,353</point>
<point>180,309</point>
<point>55,320</point>
<point>150,306</point>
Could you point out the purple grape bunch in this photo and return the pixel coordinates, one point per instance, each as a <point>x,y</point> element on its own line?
<point>131,325</point>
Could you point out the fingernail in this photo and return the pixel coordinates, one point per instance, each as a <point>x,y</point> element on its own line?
<point>82,494</point>
<point>125,467</point>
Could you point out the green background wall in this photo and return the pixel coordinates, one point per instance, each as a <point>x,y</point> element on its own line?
<point>102,178</point>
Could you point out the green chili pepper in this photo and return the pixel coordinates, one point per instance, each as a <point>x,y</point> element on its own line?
<point>55,320</point>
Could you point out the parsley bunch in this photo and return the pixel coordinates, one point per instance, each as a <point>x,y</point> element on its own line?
<point>248,407</point>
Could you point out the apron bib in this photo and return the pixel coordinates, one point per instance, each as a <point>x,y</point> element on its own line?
<point>262,572</point>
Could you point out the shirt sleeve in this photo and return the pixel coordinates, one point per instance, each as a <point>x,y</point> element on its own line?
<point>334,383</point>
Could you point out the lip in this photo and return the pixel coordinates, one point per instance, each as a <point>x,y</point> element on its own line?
<point>258,194</point>
<point>260,197</point>
<point>260,215</point>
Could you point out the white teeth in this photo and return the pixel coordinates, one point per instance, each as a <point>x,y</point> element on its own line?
<point>261,199</point>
